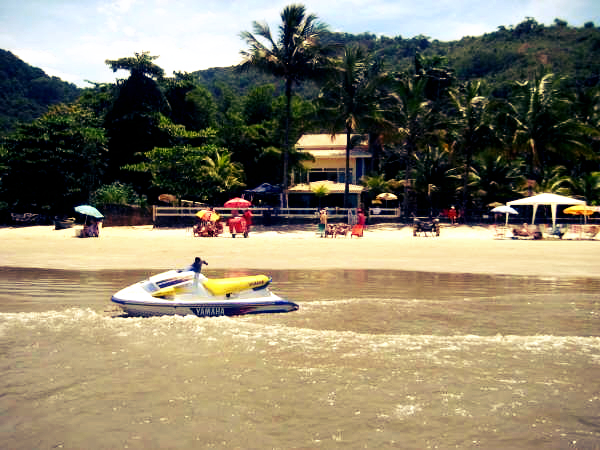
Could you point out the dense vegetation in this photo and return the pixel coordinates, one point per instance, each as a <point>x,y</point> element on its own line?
<point>26,92</point>
<point>470,123</point>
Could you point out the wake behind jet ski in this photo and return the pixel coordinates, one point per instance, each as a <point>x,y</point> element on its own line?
<point>188,291</point>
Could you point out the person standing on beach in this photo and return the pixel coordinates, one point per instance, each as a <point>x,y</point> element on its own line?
<point>248,218</point>
<point>452,215</point>
<point>361,218</point>
<point>322,221</point>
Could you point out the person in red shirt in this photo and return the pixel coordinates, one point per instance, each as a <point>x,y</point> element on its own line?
<point>248,218</point>
<point>452,215</point>
<point>357,230</point>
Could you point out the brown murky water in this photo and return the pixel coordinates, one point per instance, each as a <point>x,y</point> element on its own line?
<point>372,359</point>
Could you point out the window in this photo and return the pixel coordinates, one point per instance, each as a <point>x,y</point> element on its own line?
<point>336,175</point>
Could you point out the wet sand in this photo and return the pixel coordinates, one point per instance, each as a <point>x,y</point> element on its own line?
<point>460,249</point>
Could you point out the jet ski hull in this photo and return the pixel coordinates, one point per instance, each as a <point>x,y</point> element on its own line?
<point>272,304</point>
<point>157,297</point>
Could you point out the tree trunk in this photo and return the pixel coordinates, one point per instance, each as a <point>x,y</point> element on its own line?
<point>286,144</point>
<point>347,184</point>
<point>409,151</point>
<point>465,196</point>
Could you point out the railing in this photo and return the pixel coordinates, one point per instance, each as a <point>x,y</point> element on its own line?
<point>287,213</point>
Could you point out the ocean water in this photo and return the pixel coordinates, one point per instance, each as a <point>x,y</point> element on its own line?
<point>372,359</point>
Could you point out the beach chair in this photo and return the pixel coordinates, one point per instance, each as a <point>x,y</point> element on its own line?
<point>499,231</point>
<point>357,230</point>
<point>342,230</point>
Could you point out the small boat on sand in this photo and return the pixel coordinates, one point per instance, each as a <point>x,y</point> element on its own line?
<point>188,291</point>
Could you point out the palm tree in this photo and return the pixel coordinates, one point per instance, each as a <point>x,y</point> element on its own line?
<point>220,174</point>
<point>376,184</point>
<point>320,191</point>
<point>471,129</point>
<point>432,177</point>
<point>586,186</point>
<point>352,99</point>
<point>541,128</point>
<point>415,120</point>
<point>297,55</point>
<point>494,178</point>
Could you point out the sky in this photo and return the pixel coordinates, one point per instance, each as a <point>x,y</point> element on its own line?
<point>72,39</point>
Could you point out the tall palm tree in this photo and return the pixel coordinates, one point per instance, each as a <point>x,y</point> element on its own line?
<point>415,123</point>
<point>297,55</point>
<point>471,129</point>
<point>353,99</point>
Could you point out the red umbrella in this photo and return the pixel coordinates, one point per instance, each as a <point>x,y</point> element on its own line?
<point>237,203</point>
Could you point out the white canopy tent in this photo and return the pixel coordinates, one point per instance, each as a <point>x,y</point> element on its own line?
<point>546,199</point>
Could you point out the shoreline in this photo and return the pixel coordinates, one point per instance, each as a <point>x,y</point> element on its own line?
<point>458,249</point>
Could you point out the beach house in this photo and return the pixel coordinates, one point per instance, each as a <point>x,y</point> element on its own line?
<point>328,171</point>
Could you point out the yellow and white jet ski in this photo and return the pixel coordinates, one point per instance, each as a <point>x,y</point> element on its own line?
<point>188,291</point>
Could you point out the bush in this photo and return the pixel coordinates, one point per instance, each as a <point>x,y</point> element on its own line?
<point>117,194</point>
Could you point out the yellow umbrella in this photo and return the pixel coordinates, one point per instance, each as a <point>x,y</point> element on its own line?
<point>580,210</point>
<point>207,215</point>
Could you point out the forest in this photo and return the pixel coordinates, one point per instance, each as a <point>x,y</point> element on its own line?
<point>470,123</point>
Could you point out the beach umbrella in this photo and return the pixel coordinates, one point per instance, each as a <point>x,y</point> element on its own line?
<point>237,202</point>
<point>207,215</point>
<point>581,210</point>
<point>546,199</point>
<point>385,196</point>
<point>167,198</point>
<point>89,211</point>
<point>505,210</point>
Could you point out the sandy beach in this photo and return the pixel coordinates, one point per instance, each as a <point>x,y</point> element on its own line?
<point>460,249</point>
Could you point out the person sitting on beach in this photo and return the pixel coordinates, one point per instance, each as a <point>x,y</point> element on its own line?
<point>523,231</point>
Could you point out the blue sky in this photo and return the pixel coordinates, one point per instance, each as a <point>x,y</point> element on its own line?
<point>71,39</point>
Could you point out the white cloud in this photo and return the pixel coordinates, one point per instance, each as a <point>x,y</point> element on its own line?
<point>75,37</point>
<point>41,57</point>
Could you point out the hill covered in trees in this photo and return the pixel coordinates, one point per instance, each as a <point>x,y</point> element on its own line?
<point>509,54</point>
<point>26,91</point>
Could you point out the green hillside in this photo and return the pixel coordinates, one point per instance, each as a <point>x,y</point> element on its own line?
<point>26,91</point>
<point>509,54</point>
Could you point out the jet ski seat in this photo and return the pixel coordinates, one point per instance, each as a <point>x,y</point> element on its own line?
<point>226,286</point>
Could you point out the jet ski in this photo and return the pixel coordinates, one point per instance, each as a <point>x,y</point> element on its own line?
<point>188,291</point>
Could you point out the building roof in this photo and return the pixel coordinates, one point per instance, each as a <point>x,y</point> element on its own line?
<point>308,142</point>
<point>332,186</point>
